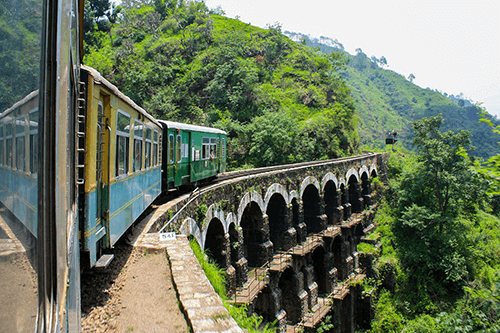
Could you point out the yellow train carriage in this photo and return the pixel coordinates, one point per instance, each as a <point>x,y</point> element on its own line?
<point>122,167</point>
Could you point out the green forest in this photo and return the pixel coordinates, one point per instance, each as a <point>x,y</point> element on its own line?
<point>281,101</point>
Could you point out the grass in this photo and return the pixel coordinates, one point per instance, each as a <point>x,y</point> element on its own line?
<point>217,277</point>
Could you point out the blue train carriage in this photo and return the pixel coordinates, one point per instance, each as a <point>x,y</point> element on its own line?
<point>19,160</point>
<point>122,165</point>
<point>191,153</point>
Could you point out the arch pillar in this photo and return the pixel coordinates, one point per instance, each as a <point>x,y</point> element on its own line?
<point>366,190</point>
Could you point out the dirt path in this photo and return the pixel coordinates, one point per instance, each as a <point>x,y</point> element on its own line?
<point>135,294</point>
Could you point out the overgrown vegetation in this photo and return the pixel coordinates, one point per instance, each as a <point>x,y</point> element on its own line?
<point>440,271</point>
<point>216,276</point>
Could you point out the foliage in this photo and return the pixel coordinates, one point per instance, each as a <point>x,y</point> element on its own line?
<point>279,101</point>
<point>440,269</point>
<point>20,40</point>
<point>252,323</point>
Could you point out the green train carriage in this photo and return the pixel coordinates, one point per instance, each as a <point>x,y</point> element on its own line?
<point>191,154</point>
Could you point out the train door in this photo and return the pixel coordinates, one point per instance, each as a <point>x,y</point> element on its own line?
<point>102,174</point>
<point>171,158</point>
<point>178,159</point>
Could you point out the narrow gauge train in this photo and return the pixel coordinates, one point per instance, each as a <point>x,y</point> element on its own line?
<point>79,162</point>
<point>128,162</point>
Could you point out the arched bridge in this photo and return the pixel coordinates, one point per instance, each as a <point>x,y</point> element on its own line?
<point>288,238</point>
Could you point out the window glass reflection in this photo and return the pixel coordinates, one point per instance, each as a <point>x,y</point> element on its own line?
<point>20,51</point>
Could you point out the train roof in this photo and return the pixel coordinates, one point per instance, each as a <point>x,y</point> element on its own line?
<point>100,79</point>
<point>194,128</point>
<point>17,104</point>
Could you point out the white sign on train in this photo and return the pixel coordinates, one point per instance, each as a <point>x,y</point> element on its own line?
<point>166,236</point>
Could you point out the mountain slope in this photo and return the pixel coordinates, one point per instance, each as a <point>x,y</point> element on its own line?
<point>386,101</point>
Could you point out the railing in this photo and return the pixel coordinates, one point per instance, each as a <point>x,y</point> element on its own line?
<point>258,279</point>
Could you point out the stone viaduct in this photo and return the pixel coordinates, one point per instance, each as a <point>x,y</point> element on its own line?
<point>288,239</point>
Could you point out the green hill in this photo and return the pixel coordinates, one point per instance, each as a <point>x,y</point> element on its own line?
<point>280,101</point>
<point>386,101</point>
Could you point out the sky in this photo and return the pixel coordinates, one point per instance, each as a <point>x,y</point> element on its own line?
<point>453,47</point>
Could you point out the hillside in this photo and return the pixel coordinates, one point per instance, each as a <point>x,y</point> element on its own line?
<point>280,101</point>
<point>386,101</point>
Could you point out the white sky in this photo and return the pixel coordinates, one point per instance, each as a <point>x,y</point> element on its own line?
<point>450,46</point>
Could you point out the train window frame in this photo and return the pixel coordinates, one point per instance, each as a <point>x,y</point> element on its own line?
<point>138,129</point>
<point>20,143</point>
<point>33,117</point>
<point>148,143</point>
<point>178,150</point>
<point>122,136</point>
<point>155,148</point>
<point>9,144</point>
<point>171,148</point>
<point>213,148</point>
<point>205,148</point>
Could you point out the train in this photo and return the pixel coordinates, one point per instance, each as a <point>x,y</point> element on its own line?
<point>79,163</point>
<point>130,158</point>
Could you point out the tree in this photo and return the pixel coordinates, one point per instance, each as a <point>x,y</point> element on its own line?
<point>435,197</point>
<point>411,77</point>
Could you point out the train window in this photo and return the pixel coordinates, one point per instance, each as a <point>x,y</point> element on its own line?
<point>205,148</point>
<point>122,142</point>
<point>155,148</point>
<point>1,145</point>
<point>213,148</point>
<point>171,148</point>
<point>179,148</point>
<point>138,137</point>
<point>223,147</point>
<point>148,147</point>
<point>33,144</point>
<point>9,152</point>
<point>20,144</point>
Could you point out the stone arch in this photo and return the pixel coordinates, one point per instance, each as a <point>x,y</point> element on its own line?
<point>312,206</point>
<point>214,211</point>
<point>363,168</point>
<point>352,172</point>
<point>215,242</point>
<point>290,291</point>
<point>331,199</point>
<point>366,188</point>
<point>320,269</point>
<point>189,227</point>
<point>338,257</point>
<point>359,232</point>
<point>309,181</point>
<point>274,189</point>
<point>257,248</point>
<point>249,197</point>
<point>329,177</point>
<point>278,222</point>
<point>354,194</point>
<point>373,171</point>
